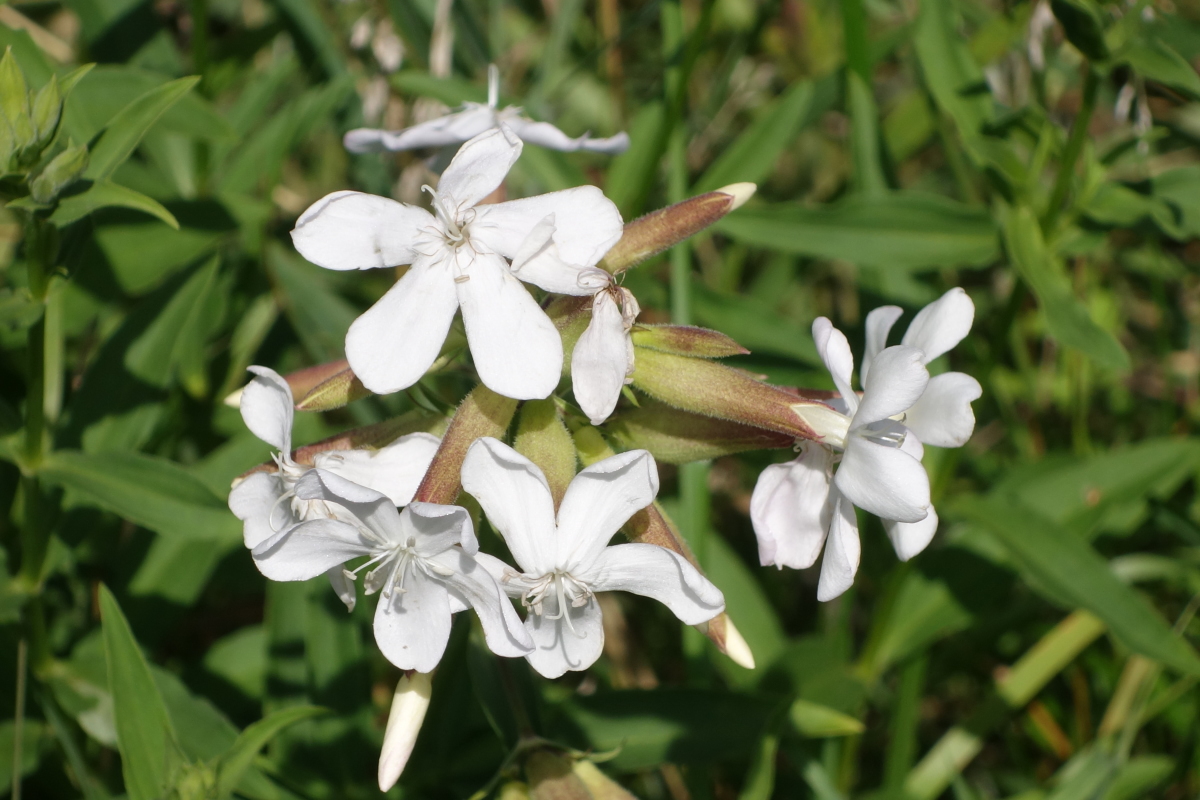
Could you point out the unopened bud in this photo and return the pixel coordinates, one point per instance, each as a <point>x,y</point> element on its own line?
<point>736,647</point>
<point>740,192</point>
<point>678,437</point>
<point>336,391</point>
<point>63,170</point>
<point>46,112</point>
<point>544,440</point>
<point>686,340</point>
<point>481,413</point>
<point>14,100</point>
<point>409,704</point>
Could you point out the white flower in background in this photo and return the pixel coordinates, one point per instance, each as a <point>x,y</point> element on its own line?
<point>458,256</point>
<point>565,561</point>
<point>421,561</point>
<point>474,119</point>
<point>267,503</point>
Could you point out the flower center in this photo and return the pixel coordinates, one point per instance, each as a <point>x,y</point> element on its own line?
<point>562,589</point>
<point>885,432</point>
<point>455,230</point>
<point>393,561</point>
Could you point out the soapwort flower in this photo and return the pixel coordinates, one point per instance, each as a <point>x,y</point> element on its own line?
<point>565,560</point>
<point>460,258</point>
<point>267,502</point>
<point>474,119</point>
<point>421,561</point>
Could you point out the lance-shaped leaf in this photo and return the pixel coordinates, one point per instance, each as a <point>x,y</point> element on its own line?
<point>130,124</point>
<point>677,437</point>
<point>482,413</point>
<point>544,440</point>
<point>686,340</point>
<point>653,233</point>
<point>1083,23</point>
<point>239,758</point>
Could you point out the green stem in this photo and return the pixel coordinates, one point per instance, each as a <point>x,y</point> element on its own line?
<point>854,25</point>
<point>1079,131</point>
<point>18,721</point>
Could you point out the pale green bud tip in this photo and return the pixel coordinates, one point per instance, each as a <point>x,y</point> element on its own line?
<point>740,192</point>
<point>409,705</point>
<point>736,647</point>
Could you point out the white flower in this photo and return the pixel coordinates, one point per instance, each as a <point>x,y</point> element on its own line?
<point>602,361</point>
<point>565,561</point>
<point>409,704</point>
<point>458,259</point>
<point>474,119</point>
<point>422,562</point>
<point>267,503</point>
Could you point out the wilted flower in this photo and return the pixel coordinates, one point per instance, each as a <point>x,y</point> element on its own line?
<point>602,360</point>
<point>458,256</point>
<point>565,560</point>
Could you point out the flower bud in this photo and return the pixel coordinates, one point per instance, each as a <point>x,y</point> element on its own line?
<point>46,112</point>
<point>686,340</point>
<point>409,704</point>
<point>482,413</point>
<point>337,390</point>
<point>677,437</point>
<point>544,440</point>
<point>14,101</point>
<point>555,775</point>
<point>63,170</point>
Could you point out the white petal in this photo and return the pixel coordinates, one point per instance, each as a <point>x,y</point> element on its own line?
<point>372,508</point>
<point>413,626</point>
<point>898,377</point>
<point>842,552</point>
<point>503,630</point>
<point>879,325</point>
<point>910,538</point>
<point>516,499</point>
<point>599,501</point>
<point>790,509</point>
<point>658,573</point>
<point>884,481</point>
<point>343,586</point>
<point>600,361</point>
<point>559,647</point>
<point>546,135</point>
<point>835,353</point>
<point>267,408</point>
<point>437,528</point>
<point>516,348</point>
<point>392,345</point>
<point>943,416</point>
<point>352,230</point>
<point>510,580</point>
<point>253,501</point>
<point>941,324</point>
<point>547,270</point>
<point>395,470</point>
<point>478,168</point>
<point>409,704</point>
<point>310,549</point>
<point>586,224</point>
<point>450,129</point>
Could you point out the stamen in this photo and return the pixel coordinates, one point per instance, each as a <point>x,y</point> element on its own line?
<point>288,495</point>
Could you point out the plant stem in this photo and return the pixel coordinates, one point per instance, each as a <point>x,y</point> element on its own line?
<point>854,26</point>
<point>18,721</point>
<point>1079,130</point>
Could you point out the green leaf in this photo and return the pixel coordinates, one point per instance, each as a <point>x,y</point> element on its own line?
<point>867,156</point>
<point>152,492</point>
<point>1156,60</point>
<point>1083,23</point>
<point>318,314</point>
<point>179,332</point>
<point>33,740</point>
<point>237,760</point>
<point>900,230</point>
<point>313,33</point>
<point>631,174</point>
<point>1179,190</point>
<point>948,68</point>
<point>105,195</point>
<point>816,721</point>
<point>126,129</point>
<point>1067,318</point>
<point>923,612</point>
<point>1139,776</point>
<point>451,91</point>
<point>145,735</point>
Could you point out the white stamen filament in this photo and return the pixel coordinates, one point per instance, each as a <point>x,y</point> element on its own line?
<point>562,586</point>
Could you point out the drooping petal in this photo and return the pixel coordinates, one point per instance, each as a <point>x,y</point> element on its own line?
<point>478,168</point>
<point>586,224</point>
<point>510,579</point>
<point>413,626</point>
<point>437,528</point>
<point>267,408</point>
<point>657,573</point>
<point>392,345</point>
<point>395,470</point>
<point>309,549</point>
<point>343,586</point>
<point>835,353</point>
<point>883,480</point>
<point>598,502</point>
<point>546,135</point>
<point>352,230</point>
<point>516,348</point>
<point>790,509</point>
<point>409,704</point>
<point>254,501</point>
<point>942,324</point>
<point>842,552</point>
<point>559,648</point>
<point>547,270</point>
<point>943,416</point>
<point>898,377</point>
<point>516,498</point>
<point>503,630</point>
<point>373,509</point>
<point>879,325</point>
<point>910,538</point>
<point>600,361</point>
<point>450,129</point>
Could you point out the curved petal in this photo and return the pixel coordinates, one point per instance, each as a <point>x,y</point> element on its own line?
<point>910,538</point>
<point>392,345</point>
<point>657,573</point>
<point>942,324</point>
<point>503,630</point>
<point>450,129</point>
<point>879,325</point>
<point>884,481</point>
<point>835,353</point>
<point>395,470</point>
<point>558,647</point>
<point>371,508</point>
<point>943,416</point>
<point>254,501</point>
<point>267,408</point>
<point>413,626</point>
<point>898,377</point>
<point>437,528</point>
<point>516,348</point>
<point>516,499</point>
<point>546,135</point>
<point>352,230</point>
<point>478,168</point>
<point>842,552</point>
<point>599,501</point>
<point>586,224</point>
<point>790,509</point>
<point>310,549</point>
<point>547,270</point>
<point>343,586</point>
<point>600,361</point>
